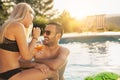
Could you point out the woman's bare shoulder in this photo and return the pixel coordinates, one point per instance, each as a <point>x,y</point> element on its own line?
<point>16,25</point>
<point>14,29</point>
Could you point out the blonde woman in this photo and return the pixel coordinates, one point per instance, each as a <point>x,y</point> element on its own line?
<point>13,46</point>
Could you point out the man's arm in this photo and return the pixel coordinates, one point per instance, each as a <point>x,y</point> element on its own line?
<point>26,64</point>
<point>57,62</point>
<point>31,64</point>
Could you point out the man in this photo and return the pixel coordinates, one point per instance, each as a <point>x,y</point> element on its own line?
<point>52,56</point>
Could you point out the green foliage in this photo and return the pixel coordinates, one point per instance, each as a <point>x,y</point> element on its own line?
<point>88,78</point>
<point>67,21</point>
<point>44,12</point>
<point>113,23</point>
<point>2,17</point>
<point>41,7</point>
<point>5,7</point>
<point>103,76</point>
<point>115,20</point>
<point>40,22</point>
<point>3,12</point>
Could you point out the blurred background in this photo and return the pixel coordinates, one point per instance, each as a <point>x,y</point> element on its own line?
<point>92,32</point>
<point>76,16</point>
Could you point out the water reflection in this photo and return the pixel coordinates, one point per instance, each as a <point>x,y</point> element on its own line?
<point>97,48</point>
<point>89,58</point>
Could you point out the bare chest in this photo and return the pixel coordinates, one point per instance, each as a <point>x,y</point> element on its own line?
<point>47,54</point>
<point>50,53</point>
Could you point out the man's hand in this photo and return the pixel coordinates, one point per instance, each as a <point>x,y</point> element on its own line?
<point>42,67</point>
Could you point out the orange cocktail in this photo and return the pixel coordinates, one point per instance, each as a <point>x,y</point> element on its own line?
<point>38,47</point>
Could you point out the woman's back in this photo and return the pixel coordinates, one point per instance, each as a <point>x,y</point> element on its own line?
<point>8,60</point>
<point>9,52</point>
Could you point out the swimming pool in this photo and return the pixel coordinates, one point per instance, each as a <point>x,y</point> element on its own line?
<point>90,54</point>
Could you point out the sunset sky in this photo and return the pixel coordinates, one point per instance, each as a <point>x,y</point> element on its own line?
<point>82,8</point>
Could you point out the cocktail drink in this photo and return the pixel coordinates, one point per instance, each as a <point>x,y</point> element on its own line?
<point>39,47</point>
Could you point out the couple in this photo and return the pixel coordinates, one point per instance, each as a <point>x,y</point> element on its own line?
<point>14,48</point>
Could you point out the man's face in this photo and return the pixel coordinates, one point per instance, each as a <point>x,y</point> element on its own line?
<point>50,35</point>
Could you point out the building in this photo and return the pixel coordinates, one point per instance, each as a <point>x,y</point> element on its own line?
<point>95,22</point>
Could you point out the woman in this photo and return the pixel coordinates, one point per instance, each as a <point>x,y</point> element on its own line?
<point>13,46</point>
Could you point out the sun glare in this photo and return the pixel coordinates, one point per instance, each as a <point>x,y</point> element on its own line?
<point>79,14</point>
<point>82,8</point>
<point>76,8</point>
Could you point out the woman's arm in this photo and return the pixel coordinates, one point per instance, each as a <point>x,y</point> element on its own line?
<point>19,33</point>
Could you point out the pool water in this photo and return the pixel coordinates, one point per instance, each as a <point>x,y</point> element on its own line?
<point>92,56</point>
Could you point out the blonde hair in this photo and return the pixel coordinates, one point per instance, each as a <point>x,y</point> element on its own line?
<point>19,12</point>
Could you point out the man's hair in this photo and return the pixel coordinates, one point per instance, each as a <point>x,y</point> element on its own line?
<point>59,27</point>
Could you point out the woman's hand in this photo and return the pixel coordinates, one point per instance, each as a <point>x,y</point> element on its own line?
<point>36,32</point>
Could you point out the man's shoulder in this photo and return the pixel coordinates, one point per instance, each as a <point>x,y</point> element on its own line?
<point>64,49</point>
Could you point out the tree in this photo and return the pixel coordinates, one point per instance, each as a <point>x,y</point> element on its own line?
<point>1,13</point>
<point>40,22</point>
<point>67,21</point>
<point>5,8</point>
<point>41,7</point>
